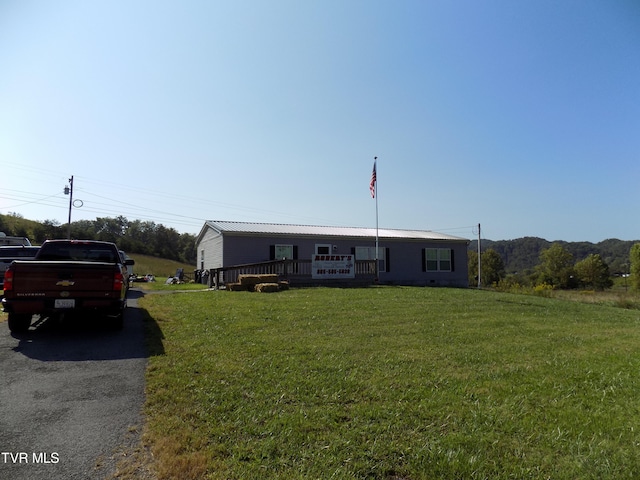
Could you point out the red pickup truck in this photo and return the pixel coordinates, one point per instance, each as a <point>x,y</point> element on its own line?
<point>67,276</point>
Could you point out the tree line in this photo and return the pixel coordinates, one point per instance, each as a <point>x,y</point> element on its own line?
<point>556,268</point>
<point>521,255</point>
<point>132,236</point>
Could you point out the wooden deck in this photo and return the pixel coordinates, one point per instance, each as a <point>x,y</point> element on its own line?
<point>296,272</point>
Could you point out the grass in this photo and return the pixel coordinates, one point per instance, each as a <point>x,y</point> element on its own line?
<point>615,298</point>
<point>160,285</point>
<point>392,383</point>
<point>159,267</point>
<point>162,269</point>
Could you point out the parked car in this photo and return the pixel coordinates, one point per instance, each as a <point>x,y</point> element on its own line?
<point>14,252</point>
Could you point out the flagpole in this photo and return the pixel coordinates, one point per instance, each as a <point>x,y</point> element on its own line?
<point>375,168</point>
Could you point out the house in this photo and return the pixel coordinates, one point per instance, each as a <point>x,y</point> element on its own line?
<point>405,257</point>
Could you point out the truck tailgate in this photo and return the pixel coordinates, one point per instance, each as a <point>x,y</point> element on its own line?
<point>75,279</point>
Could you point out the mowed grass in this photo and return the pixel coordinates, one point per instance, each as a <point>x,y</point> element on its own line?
<point>160,267</point>
<point>392,383</point>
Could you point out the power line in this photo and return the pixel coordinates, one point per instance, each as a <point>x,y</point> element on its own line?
<point>113,204</point>
<point>114,207</point>
<point>26,200</point>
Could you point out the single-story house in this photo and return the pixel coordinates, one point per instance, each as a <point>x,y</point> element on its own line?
<point>405,257</point>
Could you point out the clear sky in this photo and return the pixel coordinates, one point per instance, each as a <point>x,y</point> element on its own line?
<point>523,116</point>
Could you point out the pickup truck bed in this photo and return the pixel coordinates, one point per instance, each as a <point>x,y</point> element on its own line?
<point>66,277</point>
<point>15,252</point>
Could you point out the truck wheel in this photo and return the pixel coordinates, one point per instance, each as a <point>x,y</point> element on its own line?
<point>19,322</point>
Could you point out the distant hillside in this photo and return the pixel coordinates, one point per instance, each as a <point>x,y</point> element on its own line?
<point>159,267</point>
<point>523,254</point>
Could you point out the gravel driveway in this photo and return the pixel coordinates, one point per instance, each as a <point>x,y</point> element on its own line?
<point>71,398</point>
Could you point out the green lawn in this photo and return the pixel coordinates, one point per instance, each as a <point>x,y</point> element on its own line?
<point>160,267</point>
<point>391,383</point>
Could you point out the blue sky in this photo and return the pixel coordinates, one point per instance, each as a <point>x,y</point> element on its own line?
<point>523,116</point>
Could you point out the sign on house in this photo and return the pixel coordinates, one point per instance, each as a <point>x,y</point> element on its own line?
<point>326,267</point>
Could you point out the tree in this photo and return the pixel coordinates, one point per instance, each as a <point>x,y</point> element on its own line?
<point>187,248</point>
<point>556,267</point>
<point>81,229</point>
<point>492,267</point>
<point>46,230</point>
<point>593,272</point>
<point>111,229</point>
<point>166,241</point>
<point>141,237</point>
<point>491,264</point>
<point>472,267</point>
<point>634,258</point>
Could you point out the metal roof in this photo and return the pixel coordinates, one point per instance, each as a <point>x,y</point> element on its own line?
<point>324,231</point>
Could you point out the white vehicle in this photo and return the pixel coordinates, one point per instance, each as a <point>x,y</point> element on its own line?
<point>5,240</point>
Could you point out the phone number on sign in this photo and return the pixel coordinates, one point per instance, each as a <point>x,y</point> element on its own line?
<point>333,271</point>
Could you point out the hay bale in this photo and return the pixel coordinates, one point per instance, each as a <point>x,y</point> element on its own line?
<point>249,280</point>
<point>237,287</point>
<point>283,284</point>
<point>268,278</point>
<point>267,287</point>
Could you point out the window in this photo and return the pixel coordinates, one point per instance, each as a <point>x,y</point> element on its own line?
<point>437,260</point>
<point>283,251</point>
<point>323,249</point>
<point>369,253</point>
<point>278,252</point>
<point>432,259</point>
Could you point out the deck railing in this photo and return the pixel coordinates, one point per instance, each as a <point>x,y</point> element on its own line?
<point>296,272</point>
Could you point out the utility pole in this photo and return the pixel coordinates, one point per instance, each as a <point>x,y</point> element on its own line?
<point>479,260</point>
<point>69,191</point>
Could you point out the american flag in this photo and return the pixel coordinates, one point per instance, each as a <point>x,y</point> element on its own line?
<point>372,183</point>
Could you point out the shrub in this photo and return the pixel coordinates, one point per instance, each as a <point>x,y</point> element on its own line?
<point>543,289</point>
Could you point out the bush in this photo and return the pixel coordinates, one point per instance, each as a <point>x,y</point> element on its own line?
<point>510,284</point>
<point>543,290</point>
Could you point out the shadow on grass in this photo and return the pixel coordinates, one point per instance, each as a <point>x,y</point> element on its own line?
<point>153,336</point>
